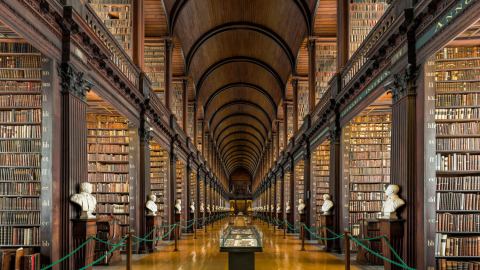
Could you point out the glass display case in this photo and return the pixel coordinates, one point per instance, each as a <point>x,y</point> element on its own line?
<point>247,239</point>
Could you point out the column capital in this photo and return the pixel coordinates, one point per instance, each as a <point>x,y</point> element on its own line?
<point>73,81</point>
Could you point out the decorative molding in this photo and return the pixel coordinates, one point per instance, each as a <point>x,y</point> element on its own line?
<point>73,81</point>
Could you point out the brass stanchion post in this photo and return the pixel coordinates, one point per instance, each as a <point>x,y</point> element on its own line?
<point>129,250</point>
<point>347,250</point>
<point>176,232</point>
<point>302,234</point>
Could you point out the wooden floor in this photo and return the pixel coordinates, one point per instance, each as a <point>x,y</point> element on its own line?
<point>203,253</point>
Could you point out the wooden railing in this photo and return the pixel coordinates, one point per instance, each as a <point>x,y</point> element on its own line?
<point>360,58</point>
<point>117,56</point>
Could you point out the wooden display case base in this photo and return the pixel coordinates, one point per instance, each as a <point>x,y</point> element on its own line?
<point>393,229</point>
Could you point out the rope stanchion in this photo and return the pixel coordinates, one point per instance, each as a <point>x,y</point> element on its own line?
<point>122,243</point>
<point>302,235</point>
<point>347,250</point>
<point>129,250</point>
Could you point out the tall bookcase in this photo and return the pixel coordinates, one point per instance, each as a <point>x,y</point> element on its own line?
<point>20,144</point>
<point>154,66</point>
<point>366,165</point>
<point>302,101</point>
<point>457,122</point>
<point>108,166</point>
<point>299,185</point>
<point>326,64</point>
<point>364,14</point>
<point>159,176</point>
<point>320,177</point>
<point>180,187</point>
<point>193,188</point>
<point>117,17</point>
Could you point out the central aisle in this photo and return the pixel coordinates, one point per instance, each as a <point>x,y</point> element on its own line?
<point>203,254</point>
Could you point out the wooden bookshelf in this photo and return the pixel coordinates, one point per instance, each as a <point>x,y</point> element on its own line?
<point>159,176</point>
<point>457,111</point>
<point>299,185</point>
<point>108,165</point>
<point>154,66</point>
<point>364,14</point>
<point>180,188</point>
<point>117,17</point>
<point>326,66</point>
<point>320,177</point>
<point>20,144</point>
<point>303,108</point>
<point>366,165</point>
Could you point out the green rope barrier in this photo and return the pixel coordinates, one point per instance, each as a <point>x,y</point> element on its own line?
<point>69,254</point>
<point>104,242</point>
<point>404,266</point>
<point>323,238</point>
<point>104,255</point>
<point>144,239</point>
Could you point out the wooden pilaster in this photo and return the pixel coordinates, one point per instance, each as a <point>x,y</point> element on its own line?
<point>138,33</point>
<point>335,181</point>
<point>168,72</point>
<point>312,74</point>
<point>342,33</point>
<point>295,105</point>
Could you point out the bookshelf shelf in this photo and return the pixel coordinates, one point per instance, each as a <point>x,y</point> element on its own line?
<point>158,176</point>
<point>366,165</point>
<point>20,158</point>
<point>457,108</point>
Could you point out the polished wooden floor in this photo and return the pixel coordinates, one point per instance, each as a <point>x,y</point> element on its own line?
<point>203,253</point>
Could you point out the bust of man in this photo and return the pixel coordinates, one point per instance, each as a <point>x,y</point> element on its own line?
<point>192,207</point>
<point>151,205</point>
<point>232,209</point>
<point>178,206</point>
<point>271,208</point>
<point>208,209</point>
<point>278,208</point>
<point>392,203</point>
<point>301,206</point>
<point>85,200</point>
<point>202,207</point>
<point>327,205</point>
<point>287,207</point>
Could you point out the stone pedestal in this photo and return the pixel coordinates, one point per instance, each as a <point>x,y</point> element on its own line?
<point>152,224</point>
<point>190,218</point>
<point>326,221</point>
<point>393,229</point>
<point>178,218</point>
<point>82,230</point>
<point>200,221</point>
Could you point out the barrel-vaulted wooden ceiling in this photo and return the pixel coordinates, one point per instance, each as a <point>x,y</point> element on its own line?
<point>240,55</point>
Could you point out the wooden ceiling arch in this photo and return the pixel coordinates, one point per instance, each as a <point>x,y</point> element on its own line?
<point>241,131</point>
<point>240,54</point>
<point>241,141</point>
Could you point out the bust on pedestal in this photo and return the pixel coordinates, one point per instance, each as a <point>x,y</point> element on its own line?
<point>391,226</point>
<point>152,222</point>
<point>289,217</point>
<point>191,217</point>
<point>301,210</point>
<point>85,226</point>
<point>326,221</point>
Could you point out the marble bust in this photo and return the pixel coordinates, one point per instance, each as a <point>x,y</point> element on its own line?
<point>178,206</point>
<point>192,207</point>
<point>271,207</point>
<point>202,207</point>
<point>301,206</point>
<point>208,209</point>
<point>85,200</point>
<point>287,207</point>
<point>278,208</point>
<point>392,203</point>
<point>151,205</point>
<point>327,205</point>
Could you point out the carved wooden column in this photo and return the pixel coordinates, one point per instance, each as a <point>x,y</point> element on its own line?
<point>404,154</point>
<point>74,150</point>
<point>197,198</point>
<point>307,195</point>
<point>144,181</point>
<point>342,33</point>
<point>187,190</point>
<point>138,33</point>
<point>172,183</point>
<point>295,105</point>
<point>168,72</point>
<point>285,124</point>
<point>335,181</point>
<point>291,220</point>
<point>282,195</point>
<point>195,137</point>
<point>185,106</point>
<point>312,74</point>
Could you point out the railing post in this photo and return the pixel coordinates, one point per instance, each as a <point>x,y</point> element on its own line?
<point>285,229</point>
<point>347,250</point>
<point>194,229</point>
<point>302,234</point>
<point>129,250</point>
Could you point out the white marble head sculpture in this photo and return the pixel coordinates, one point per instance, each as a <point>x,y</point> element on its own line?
<point>287,207</point>
<point>178,206</point>
<point>301,206</point>
<point>192,207</point>
<point>85,200</point>
<point>327,204</point>
<point>151,206</point>
<point>392,203</point>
